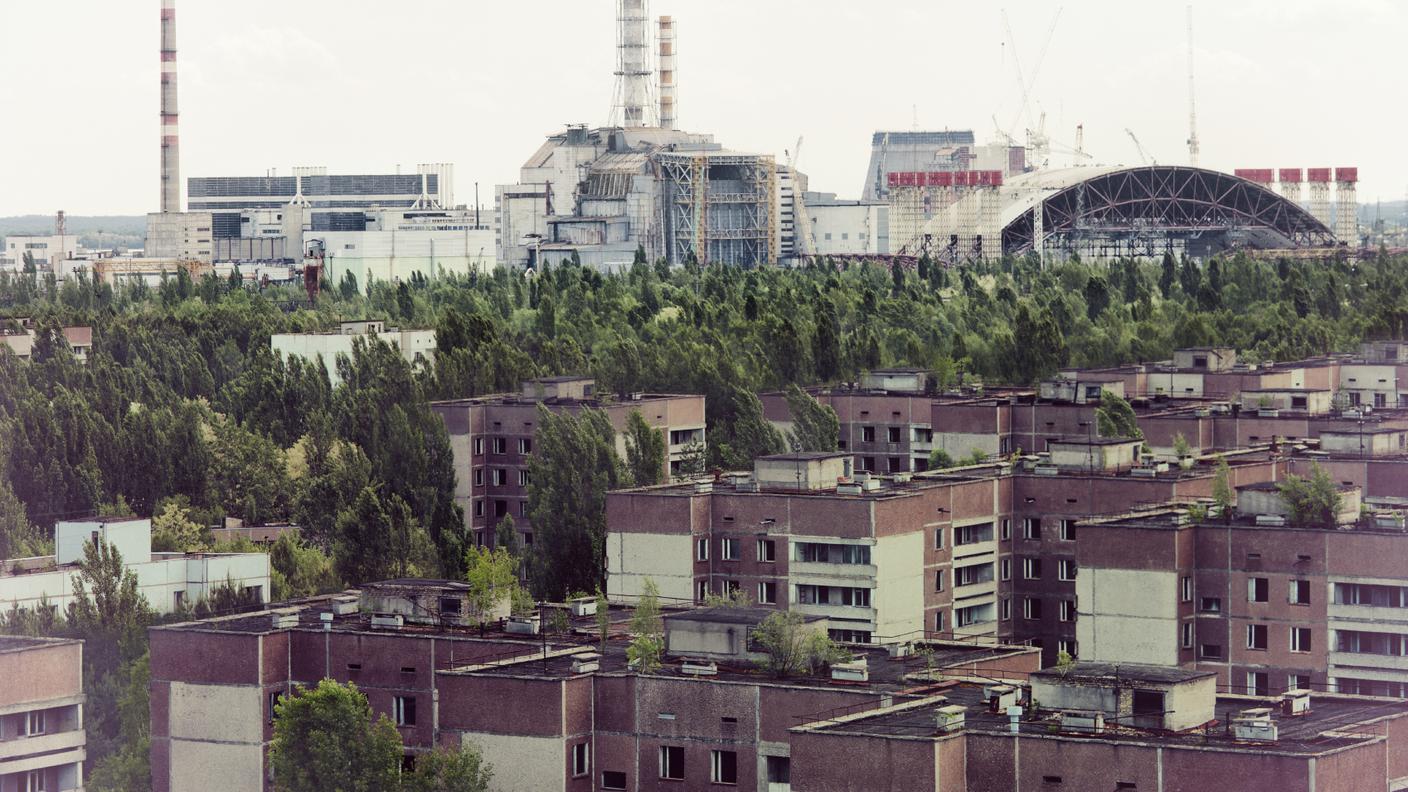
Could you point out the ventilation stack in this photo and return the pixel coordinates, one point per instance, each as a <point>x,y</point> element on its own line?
<point>1319,206</point>
<point>1290,184</point>
<point>667,73</point>
<point>1346,206</point>
<point>633,72</point>
<point>170,132</point>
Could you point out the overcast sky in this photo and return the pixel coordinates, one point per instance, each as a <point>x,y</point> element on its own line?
<point>364,85</point>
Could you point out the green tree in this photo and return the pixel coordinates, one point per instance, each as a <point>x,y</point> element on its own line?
<point>379,538</point>
<point>939,459</point>
<point>128,769</point>
<point>1190,277</point>
<point>1223,495</point>
<point>815,426</point>
<point>1115,418</point>
<point>647,631</point>
<point>326,739</point>
<point>173,531</point>
<point>645,451</point>
<point>793,645</point>
<point>1097,297</point>
<point>748,435</point>
<point>248,473</point>
<point>447,770</point>
<point>300,570</point>
<point>603,618</point>
<point>492,576</point>
<point>573,466</point>
<point>1168,275</point>
<point>1314,501</point>
<point>506,535</point>
<point>694,458</point>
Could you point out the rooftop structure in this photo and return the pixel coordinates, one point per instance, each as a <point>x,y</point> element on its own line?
<point>42,741</point>
<point>414,345</point>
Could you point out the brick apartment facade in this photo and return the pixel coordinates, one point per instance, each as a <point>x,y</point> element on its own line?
<point>492,437</point>
<point>42,741</point>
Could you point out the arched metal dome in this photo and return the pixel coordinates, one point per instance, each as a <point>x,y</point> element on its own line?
<point>1141,211</point>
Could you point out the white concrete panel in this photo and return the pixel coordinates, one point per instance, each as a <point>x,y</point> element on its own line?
<point>203,766</point>
<point>898,597</point>
<point>523,764</point>
<point>667,559</point>
<point>223,713</point>
<point>1127,616</point>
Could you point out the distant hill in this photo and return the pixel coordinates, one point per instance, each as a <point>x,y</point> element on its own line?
<point>102,231</point>
<point>1391,211</point>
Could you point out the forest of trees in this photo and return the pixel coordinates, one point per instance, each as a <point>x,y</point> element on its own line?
<point>182,411</point>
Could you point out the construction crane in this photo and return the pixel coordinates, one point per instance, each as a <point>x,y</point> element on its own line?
<point>1037,141</point>
<point>1143,157</point>
<point>794,155</point>
<point>1192,107</point>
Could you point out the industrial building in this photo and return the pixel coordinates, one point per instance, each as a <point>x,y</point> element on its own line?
<point>50,253</point>
<point>492,437</point>
<point>846,228</point>
<point>944,151</point>
<point>42,741</point>
<point>597,195</point>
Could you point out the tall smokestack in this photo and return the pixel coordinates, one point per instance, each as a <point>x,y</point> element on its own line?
<point>170,133</point>
<point>667,73</point>
<point>633,72</point>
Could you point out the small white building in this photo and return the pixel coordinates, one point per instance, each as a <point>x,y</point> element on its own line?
<point>167,580</point>
<point>49,253</point>
<point>397,253</point>
<point>412,344</point>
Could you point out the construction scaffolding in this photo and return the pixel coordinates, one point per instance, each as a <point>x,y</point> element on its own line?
<point>1319,205</point>
<point>719,207</point>
<point>1346,206</point>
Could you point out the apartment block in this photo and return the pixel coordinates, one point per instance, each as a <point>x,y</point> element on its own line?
<point>414,345</point>
<point>492,438</point>
<point>42,742</point>
<point>550,713</point>
<point>1266,606</point>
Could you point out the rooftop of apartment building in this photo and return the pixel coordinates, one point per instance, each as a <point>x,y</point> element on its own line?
<point>564,390</point>
<point>1325,727</point>
<point>16,643</point>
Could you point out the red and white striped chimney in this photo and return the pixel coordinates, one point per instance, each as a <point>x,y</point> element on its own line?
<point>170,132</point>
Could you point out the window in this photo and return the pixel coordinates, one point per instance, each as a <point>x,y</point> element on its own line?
<point>1258,589</point>
<point>403,710</point>
<point>972,534</point>
<point>723,767</point>
<point>973,574</point>
<point>893,434</point>
<point>1210,605</point>
<point>1298,682</point>
<point>1050,779</point>
<point>939,537</point>
<point>500,476</point>
<point>34,723</point>
<point>1068,610</point>
<point>672,762</point>
<point>1031,528</point>
<point>867,434</point>
<point>1005,606</point>
<point>1006,529</point>
<point>1256,636</point>
<point>701,590</point>
<point>581,759</point>
<point>1300,639</point>
<point>178,599</point>
<point>1004,568</point>
<point>1066,569</point>
<point>613,779</point>
<point>1185,589</point>
<point>939,580</point>
<point>525,445</point>
<point>1211,651</point>
<point>939,622</point>
<point>479,508</point>
<point>1258,683</point>
<point>868,464</point>
<point>478,446</point>
<point>1300,592</point>
<point>728,549</point>
<point>731,588</point>
<point>1069,647</point>
<point>767,550</point>
<point>767,592</point>
<point>523,478</point>
<point>1031,568</point>
<point>1068,530</point>
<point>1187,630</point>
<point>701,549</point>
<point>1031,608</point>
<point>479,477</point>
<point>779,770</point>
<point>274,699</point>
<point>500,445</point>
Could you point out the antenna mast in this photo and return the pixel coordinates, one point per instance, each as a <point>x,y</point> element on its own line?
<point>1192,107</point>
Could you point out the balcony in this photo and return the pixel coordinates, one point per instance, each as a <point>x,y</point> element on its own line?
<point>1367,613</point>
<point>1368,660</point>
<point>849,573</point>
<point>977,589</point>
<point>974,548</point>
<point>850,612</point>
<point>41,744</point>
